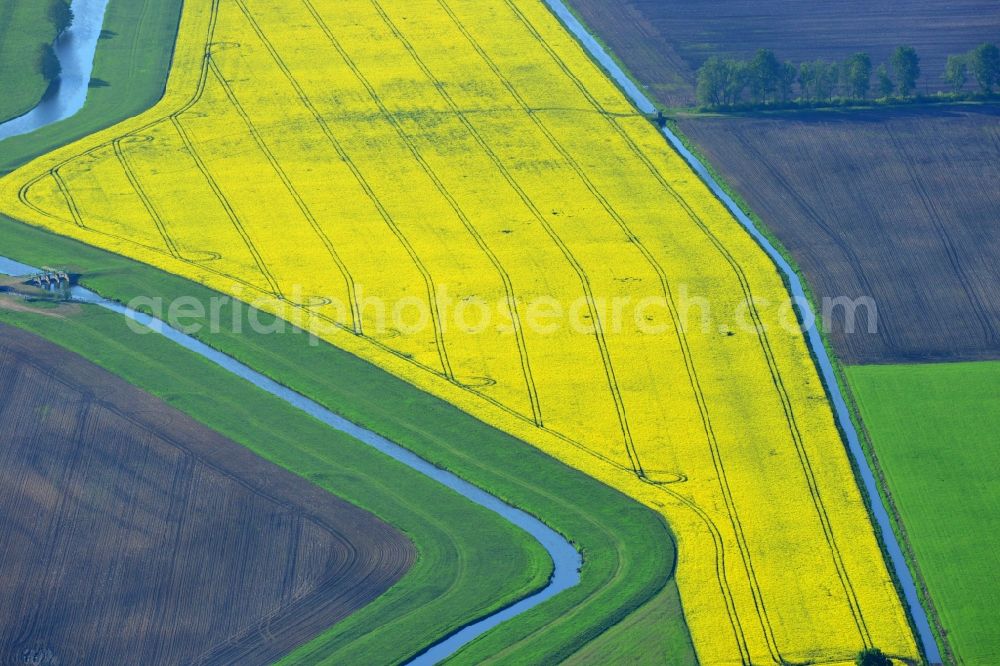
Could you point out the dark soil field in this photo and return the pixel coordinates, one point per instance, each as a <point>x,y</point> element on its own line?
<point>663,42</point>
<point>132,534</point>
<point>899,205</point>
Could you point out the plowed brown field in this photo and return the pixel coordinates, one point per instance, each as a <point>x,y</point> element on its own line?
<point>132,534</point>
<point>896,205</point>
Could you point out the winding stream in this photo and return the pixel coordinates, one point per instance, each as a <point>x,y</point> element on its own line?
<point>813,336</point>
<point>75,49</point>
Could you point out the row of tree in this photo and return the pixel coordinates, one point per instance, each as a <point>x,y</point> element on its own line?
<point>765,80</point>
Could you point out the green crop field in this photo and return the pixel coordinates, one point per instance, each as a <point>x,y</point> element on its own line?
<point>934,429</point>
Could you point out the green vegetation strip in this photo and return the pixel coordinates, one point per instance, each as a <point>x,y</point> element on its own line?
<point>933,428</point>
<point>723,83</point>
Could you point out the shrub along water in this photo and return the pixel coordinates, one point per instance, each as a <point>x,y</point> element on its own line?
<point>61,16</point>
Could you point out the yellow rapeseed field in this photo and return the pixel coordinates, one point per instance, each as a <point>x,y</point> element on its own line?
<point>452,190</point>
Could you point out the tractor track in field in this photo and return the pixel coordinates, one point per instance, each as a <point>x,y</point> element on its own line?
<point>443,190</point>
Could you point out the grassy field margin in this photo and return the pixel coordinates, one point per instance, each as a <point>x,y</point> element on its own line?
<point>948,493</point>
